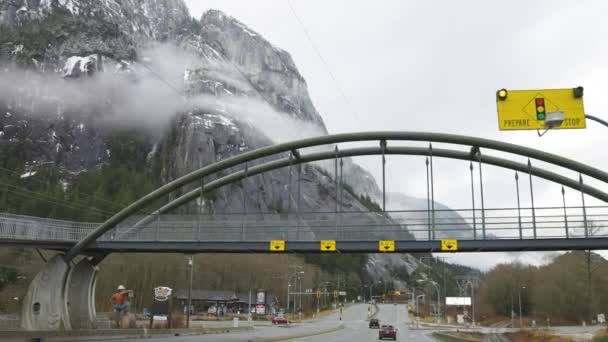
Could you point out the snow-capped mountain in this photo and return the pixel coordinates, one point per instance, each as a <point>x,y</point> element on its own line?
<point>219,89</point>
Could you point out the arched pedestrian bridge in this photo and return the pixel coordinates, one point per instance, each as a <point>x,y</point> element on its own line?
<point>61,296</point>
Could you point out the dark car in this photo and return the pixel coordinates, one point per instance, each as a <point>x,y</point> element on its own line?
<point>387,331</point>
<point>374,323</point>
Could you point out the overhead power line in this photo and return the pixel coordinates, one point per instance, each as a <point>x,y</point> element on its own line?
<point>52,200</point>
<point>115,204</point>
<point>328,69</point>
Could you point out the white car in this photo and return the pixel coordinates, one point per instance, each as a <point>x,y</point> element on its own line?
<point>212,310</point>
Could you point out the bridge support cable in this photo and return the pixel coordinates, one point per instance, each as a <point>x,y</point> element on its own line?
<point>451,154</point>
<point>580,177</point>
<point>428,198</point>
<point>565,212</point>
<point>202,204</point>
<point>337,191</point>
<point>483,212</point>
<point>473,201</point>
<point>383,150</point>
<point>244,197</point>
<point>432,192</point>
<point>532,198</point>
<point>397,150</point>
<point>327,140</point>
<point>521,235</point>
<point>299,201</point>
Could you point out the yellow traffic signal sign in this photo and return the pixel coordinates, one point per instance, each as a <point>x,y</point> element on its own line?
<point>533,109</point>
<point>335,294</point>
<point>449,245</point>
<point>318,294</point>
<point>386,245</point>
<point>277,245</point>
<point>328,245</point>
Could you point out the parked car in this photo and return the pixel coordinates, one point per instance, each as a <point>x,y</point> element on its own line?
<point>387,331</point>
<point>374,323</point>
<point>279,320</point>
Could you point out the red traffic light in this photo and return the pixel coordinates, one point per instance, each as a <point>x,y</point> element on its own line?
<point>540,102</point>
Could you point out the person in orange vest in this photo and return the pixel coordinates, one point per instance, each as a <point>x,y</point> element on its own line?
<point>120,299</point>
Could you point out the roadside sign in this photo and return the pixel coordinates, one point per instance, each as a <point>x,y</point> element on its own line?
<point>277,245</point>
<point>449,245</point>
<point>318,294</point>
<point>529,109</point>
<point>342,293</point>
<point>260,309</point>
<point>162,293</point>
<point>328,245</point>
<point>386,245</point>
<point>459,301</point>
<point>335,294</point>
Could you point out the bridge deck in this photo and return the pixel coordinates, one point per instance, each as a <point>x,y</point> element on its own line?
<point>355,232</point>
<point>407,246</point>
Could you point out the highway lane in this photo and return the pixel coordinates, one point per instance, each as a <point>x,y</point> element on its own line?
<point>357,328</point>
<point>354,313</point>
<point>354,321</point>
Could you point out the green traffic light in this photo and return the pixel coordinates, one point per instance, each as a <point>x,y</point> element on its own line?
<point>540,116</point>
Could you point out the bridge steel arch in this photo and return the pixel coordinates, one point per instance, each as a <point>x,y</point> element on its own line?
<point>327,140</point>
<point>366,151</point>
<point>60,289</point>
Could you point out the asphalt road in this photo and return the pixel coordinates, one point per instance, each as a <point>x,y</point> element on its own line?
<point>261,332</point>
<point>356,328</point>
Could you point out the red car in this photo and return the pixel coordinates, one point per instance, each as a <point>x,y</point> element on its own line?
<point>387,331</point>
<point>279,320</point>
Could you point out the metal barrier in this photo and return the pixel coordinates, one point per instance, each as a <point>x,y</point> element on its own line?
<point>420,225</point>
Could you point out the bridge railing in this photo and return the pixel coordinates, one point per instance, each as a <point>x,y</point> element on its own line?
<point>462,224</point>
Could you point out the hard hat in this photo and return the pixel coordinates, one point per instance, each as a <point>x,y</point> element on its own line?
<point>121,287</point>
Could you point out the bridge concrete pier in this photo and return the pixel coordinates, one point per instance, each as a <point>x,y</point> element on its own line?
<point>80,294</point>
<point>61,297</point>
<point>44,306</point>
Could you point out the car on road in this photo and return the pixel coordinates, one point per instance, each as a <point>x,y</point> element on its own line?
<point>387,331</point>
<point>374,323</point>
<point>279,320</point>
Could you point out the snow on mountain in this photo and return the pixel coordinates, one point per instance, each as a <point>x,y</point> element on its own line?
<point>228,63</point>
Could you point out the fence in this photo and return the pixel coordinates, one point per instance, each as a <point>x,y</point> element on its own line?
<point>463,224</point>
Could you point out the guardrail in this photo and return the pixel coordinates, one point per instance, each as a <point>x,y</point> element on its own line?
<point>420,225</point>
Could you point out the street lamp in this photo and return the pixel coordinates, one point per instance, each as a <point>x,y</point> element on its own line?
<point>519,297</point>
<point>289,285</point>
<point>191,267</point>
<point>470,283</point>
<point>324,283</point>
<point>417,307</point>
<point>438,295</point>
<point>371,286</point>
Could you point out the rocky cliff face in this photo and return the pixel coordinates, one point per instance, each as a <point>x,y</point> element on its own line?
<point>233,91</point>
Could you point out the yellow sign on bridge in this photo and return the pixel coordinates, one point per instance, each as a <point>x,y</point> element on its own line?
<point>386,245</point>
<point>328,245</point>
<point>277,245</point>
<point>449,245</point>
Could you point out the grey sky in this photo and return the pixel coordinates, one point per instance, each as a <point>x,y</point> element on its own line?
<point>434,66</point>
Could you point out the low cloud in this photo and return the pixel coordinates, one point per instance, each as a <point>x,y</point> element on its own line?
<point>146,94</point>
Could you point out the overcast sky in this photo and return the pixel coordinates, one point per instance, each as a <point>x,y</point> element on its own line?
<point>435,66</point>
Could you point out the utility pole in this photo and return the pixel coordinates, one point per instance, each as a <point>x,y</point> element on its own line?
<point>519,297</point>
<point>191,267</point>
